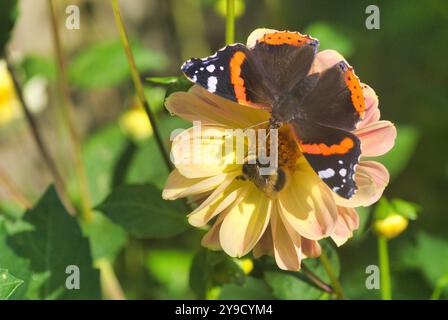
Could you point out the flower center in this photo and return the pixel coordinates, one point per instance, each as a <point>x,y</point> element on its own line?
<point>288,153</point>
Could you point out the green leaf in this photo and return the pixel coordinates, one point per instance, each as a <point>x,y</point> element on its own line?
<point>34,65</point>
<point>8,16</point>
<point>251,289</point>
<point>429,255</point>
<point>105,64</point>
<point>398,157</point>
<point>106,238</point>
<point>288,286</point>
<point>19,266</point>
<point>162,80</point>
<point>100,153</point>
<point>56,243</point>
<point>8,284</point>
<point>330,38</point>
<point>383,209</point>
<point>147,164</point>
<point>407,209</point>
<point>294,285</point>
<point>211,268</point>
<point>142,212</point>
<point>316,266</point>
<point>171,269</point>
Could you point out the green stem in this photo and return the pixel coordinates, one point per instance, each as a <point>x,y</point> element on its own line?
<point>67,116</point>
<point>316,280</point>
<point>383,255</point>
<point>332,275</point>
<point>436,293</point>
<point>138,82</point>
<point>38,139</point>
<point>110,284</point>
<point>13,191</point>
<point>230,22</point>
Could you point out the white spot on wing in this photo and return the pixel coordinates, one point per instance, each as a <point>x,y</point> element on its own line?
<point>343,172</point>
<point>221,68</point>
<point>211,68</point>
<point>325,174</point>
<point>211,84</point>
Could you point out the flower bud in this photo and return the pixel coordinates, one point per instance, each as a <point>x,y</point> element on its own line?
<point>391,226</point>
<point>135,124</point>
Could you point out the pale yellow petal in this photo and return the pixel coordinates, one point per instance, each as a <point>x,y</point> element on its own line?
<point>211,239</point>
<point>221,198</point>
<point>348,221</point>
<point>245,223</point>
<point>287,244</point>
<point>200,105</point>
<point>264,246</point>
<point>202,152</point>
<point>308,205</point>
<point>178,186</point>
<point>310,248</point>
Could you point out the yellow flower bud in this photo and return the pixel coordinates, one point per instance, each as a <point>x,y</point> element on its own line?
<point>246,265</point>
<point>9,104</point>
<point>135,124</point>
<point>391,226</point>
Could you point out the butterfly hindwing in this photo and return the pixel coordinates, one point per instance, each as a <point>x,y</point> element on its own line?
<point>230,73</point>
<point>337,99</point>
<point>332,153</point>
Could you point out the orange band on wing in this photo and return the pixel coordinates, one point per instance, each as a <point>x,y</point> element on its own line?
<point>235,76</point>
<point>355,88</point>
<point>286,37</point>
<point>341,148</point>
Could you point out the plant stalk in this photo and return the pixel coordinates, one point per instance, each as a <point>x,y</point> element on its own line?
<point>332,275</point>
<point>13,191</point>
<point>383,256</point>
<point>316,280</point>
<point>230,22</point>
<point>138,82</point>
<point>38,139</point>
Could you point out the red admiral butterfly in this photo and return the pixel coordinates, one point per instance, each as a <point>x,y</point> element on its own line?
<point>321,108</point>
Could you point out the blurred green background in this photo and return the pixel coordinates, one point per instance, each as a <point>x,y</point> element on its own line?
<point>405,61</point>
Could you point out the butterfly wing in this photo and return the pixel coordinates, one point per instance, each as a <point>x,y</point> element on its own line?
<point>286,57</point>
<point>332,153</point>
<point>336,100</point>
<point>230,73</point>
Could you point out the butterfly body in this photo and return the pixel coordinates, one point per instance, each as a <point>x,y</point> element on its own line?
<point>274,73</point>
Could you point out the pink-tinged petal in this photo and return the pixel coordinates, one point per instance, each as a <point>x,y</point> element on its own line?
<point>178,186</point>
<point>287,244</point>
<point>372,112</point>
<point>310,248</point>
<point>265,245</point>
<point>326,59</point>
<point>256,35</point>
<point>348,221</point>
<point>211,239</point>
<point>221,198</point>
<point>200,105</point>
<point>245,223</point>
<point>201,151</point>
<point>371,178</point>
<point>377,138</point>
<point>308,205</point>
